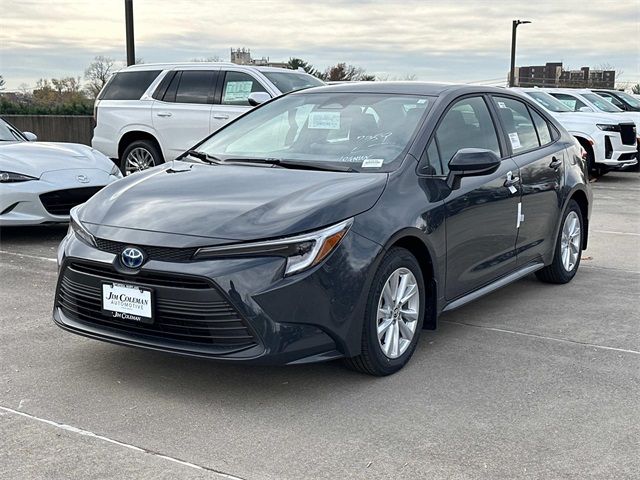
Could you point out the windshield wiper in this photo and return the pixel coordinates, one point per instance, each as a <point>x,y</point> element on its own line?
<point>298,164</point>
<point>205,157</point>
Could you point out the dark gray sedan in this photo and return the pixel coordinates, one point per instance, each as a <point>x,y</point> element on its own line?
<point>336,222</point>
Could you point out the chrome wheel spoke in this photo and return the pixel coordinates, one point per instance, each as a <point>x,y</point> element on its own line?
<point>398,310</point>
<point>570,241</point>
<point>138,159</point>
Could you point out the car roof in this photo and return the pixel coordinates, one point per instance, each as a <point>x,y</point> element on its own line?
<point>402,88</point>
<point>170,66</point>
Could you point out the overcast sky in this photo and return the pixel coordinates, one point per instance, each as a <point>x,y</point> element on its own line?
<point>465,41</point>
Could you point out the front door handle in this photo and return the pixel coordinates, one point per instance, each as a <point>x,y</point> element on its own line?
<point>164,114</point>
<point>555,163</point>
<point>221,117</point>
<point>511,181</point>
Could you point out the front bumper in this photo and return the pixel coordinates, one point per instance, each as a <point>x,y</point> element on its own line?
<point>21,202</point>
<point>610,150</point>
<point>313,316</point>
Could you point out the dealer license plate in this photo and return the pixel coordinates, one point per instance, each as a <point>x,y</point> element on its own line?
<point>127,302</point>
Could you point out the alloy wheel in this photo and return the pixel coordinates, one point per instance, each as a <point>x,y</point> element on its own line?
<point>137,160</point>
<point>570,241</point>
<point>398,312</point>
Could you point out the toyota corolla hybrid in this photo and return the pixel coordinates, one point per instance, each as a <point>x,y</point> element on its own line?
<point>335,222</point>
<point>41,181</point>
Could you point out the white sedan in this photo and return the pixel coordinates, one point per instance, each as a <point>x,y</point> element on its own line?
<point>41,181</point>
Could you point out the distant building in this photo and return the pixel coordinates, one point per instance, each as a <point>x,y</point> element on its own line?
<point>242,56</point>
<point>553,75</point>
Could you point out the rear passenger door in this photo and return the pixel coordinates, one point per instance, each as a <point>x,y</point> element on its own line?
<point>481,213</point>
<point>232,96</point>
<point>532,142</point>
<point>181,116</point>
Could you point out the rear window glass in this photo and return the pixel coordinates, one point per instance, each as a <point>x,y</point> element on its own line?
<point>128,85</point>
<point>288,82</point>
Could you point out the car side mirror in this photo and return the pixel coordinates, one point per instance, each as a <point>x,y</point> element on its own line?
<point>585,109</point>
<point>471,162</point>
<point>256,98</point>
<point>31,137</point>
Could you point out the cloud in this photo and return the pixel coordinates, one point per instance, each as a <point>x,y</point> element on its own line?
<point>465,41</point>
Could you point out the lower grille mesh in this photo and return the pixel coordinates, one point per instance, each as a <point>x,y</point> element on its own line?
<point>182,314</point>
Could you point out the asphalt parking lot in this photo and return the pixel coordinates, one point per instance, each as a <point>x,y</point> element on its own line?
<point>533,381</point>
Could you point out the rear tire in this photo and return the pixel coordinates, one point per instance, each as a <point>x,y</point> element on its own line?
<point>140,155</point>
<point>393,317</point>
<point>566,258</point>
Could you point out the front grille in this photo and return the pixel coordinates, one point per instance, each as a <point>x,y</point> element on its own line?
<point>187,310</point>
<point>163,254</point>
<point>628,133</point>
<point>60,202</point>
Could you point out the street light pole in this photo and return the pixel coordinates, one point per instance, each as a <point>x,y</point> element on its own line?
<point>128,19</point>
<point>512,71</point>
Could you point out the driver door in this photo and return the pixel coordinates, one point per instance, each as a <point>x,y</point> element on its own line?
<point>481,215</point>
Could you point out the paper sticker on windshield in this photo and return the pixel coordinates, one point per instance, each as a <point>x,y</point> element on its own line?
<point>502,105</point>
<point>324,120</point>
<point>515,140</point>
<point>372,163</point>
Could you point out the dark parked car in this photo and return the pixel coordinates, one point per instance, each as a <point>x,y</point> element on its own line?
<point>335,222</point>
<point>622,100</point>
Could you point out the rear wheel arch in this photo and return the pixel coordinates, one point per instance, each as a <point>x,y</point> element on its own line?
<point>134,135</point>
<point>583,202</point>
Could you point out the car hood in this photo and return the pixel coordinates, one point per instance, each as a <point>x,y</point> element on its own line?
<point>230,202</point>
<point>36,158</point>
<point>587,121</point>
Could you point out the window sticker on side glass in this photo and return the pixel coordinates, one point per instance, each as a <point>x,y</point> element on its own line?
<point>237,91</point>
<point>515,140</point>
<point>502,105</point>
<point>324,120</point>
<point>372,163</point>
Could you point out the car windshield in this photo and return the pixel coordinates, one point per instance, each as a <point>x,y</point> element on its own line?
<point>549,102</point>
<point>601,103</point>
<point>629,99</point>
<point>363,131</point>
<point>9,133</point>
<point>288,82</point>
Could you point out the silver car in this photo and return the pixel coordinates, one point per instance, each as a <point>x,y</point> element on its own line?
<point>41,181</point>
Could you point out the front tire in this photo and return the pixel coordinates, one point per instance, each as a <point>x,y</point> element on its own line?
<point>140,155</point>
<point>393,317</point>
<point>566,258</point>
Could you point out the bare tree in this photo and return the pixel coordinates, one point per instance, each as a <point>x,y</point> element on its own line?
<point>98,73</point>
<point>636,89</point>
<point>343,72</point>
<point>214,58</point>
<point>295,63</point>
<point>2,82</point>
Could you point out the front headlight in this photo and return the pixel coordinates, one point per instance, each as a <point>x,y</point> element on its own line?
<point>10,177</point>
<point>608,127</point>
<point>78,229</point>
<point>302,251</point>
<point>115,171</point>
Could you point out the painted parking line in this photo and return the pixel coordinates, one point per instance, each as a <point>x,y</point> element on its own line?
<point>614,232</point>
<point>87,433</point>
<point>26,255</point>
<point>544,337</point>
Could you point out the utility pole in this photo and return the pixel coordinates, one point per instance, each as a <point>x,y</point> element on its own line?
<point>512,70</point>
<point>128,19</point>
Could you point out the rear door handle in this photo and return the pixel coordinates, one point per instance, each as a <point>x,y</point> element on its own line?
<point>221,116</point>
<point>164,114</point>
<point>555,163</point>
<point>511,181</point>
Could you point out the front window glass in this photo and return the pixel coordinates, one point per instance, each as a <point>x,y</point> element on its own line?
<point>612,99</point>
<point>237,88</point>
<point>548,102</point>
<point>467,124</point>
<point>128,85</point>
<point>8,133</point>
<point>570,101</point>
<point>366,132</point>
<point>601,103</point>
<point>288,82</point>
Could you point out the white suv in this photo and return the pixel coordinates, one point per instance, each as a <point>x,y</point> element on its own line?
<point>608,138</point>
<point>151,113</point>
